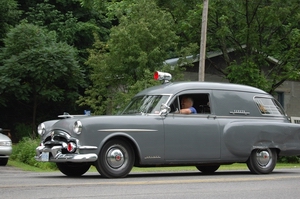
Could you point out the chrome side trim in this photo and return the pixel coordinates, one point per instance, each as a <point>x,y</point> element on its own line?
<point>127,130</point>
<point>87,147</point>
<point>249,117</point>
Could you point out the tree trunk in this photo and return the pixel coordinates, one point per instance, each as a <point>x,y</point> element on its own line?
<point>34,116</point>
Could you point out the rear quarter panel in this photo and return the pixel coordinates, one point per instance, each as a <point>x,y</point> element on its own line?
<point>241,137</point>
<point>245,131</point>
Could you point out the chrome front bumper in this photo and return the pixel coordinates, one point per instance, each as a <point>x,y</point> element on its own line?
<point>54,154</point>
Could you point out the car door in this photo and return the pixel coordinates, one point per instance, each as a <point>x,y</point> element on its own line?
<point>192,137</point>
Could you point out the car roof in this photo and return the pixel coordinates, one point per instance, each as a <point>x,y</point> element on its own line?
<point>175,87</point>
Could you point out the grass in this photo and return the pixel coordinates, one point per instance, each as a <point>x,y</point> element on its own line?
<point>26,167</point>
<point>236,166</point>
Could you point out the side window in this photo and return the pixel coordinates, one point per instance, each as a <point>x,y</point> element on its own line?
<point>268,106</point>
<point>200,102</point>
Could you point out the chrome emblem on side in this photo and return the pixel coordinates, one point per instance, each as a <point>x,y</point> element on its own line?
<point>153,157</point>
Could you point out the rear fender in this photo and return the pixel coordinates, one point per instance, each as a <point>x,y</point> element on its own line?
<point>240,138</point>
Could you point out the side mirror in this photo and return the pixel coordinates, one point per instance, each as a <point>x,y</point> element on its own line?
<point>164,109</point>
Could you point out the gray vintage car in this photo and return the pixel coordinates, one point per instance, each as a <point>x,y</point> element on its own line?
<point>234,124</point>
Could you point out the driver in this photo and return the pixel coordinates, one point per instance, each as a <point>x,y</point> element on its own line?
<point>187,106</point>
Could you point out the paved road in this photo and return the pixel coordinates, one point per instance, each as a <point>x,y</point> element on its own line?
<point>15,184</point>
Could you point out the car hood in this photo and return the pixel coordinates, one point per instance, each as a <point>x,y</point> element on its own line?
<point>100,119</point>
<point>116,121</point>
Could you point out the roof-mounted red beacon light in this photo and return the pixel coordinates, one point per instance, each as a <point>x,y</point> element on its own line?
<point>162,76</point>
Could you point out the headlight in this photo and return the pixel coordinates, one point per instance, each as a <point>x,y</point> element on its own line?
<point>41,129</point>
<point>77,127</point>
<point>5,143</point>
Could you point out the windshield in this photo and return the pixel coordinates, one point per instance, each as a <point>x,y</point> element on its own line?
<point>146,104</point>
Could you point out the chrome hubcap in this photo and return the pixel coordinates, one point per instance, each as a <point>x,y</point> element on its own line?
<point>263,158</point>
<point>115,157</point>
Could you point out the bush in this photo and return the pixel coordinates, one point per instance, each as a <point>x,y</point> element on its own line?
<point>24,152</point>
<point>22,130</point>
<point>289,159</point>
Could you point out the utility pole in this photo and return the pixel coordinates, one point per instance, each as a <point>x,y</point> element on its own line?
<point>202,54</point>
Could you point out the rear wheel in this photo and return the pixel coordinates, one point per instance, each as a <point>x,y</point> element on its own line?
<point>3,161</point>
<point>115,159</point>
<point>208,169</point>
<point>73,169</point>
<point>262,161</point>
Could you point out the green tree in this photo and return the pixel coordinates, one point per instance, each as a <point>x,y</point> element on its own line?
<point>73,23</point>
<point>180,11</point>
<point>136,48</point>
<point>264,34</point>
<point>9,15</point>
<point>36,68</point>
<point>267,29</point>
<point>258,31</point>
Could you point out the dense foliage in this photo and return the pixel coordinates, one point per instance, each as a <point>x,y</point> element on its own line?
<point>36,68</point>
<point>136,47</point>
<point>265,33</point>
<point>42,60</point>
<point>9,15</point>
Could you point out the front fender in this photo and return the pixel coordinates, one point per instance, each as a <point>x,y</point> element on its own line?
<point>123,135</point>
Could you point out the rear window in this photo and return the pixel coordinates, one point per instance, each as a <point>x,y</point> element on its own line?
<point>268,106</point>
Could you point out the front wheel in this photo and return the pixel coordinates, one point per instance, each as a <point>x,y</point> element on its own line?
<point>262,161</point>
<point>116,159</point>
<point>73,169</point>
<point>208,169</point>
